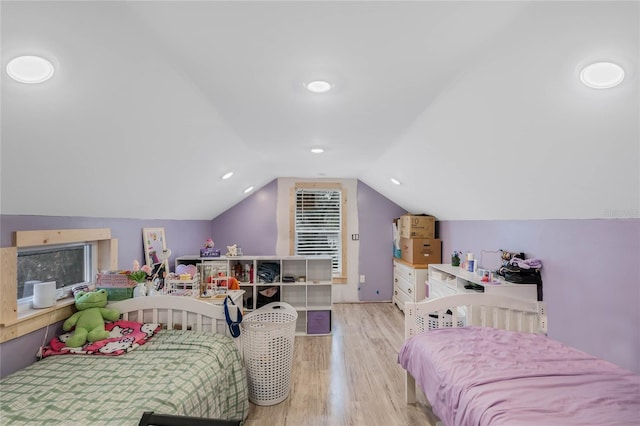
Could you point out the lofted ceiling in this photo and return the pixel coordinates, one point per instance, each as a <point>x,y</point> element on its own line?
<point>475,107</point>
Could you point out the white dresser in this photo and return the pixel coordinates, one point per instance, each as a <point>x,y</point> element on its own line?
<point>409,282</point>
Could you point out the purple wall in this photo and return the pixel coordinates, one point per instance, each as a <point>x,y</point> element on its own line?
<point>21,352</point>
<point>256,216</point>
<point>183,238</point>
<point>251,224</point>
<point>375,216</point>
<point>591,276</point>
<point>591,272</point>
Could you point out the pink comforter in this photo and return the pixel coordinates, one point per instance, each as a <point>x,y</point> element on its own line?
<point>483,376</point>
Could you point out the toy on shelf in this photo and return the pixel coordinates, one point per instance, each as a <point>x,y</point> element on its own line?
<point>208,250</point>
<point>233,251</point>
<point>220,284</point>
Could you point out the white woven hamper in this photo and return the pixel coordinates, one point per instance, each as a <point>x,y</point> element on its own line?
<point>267,344</point>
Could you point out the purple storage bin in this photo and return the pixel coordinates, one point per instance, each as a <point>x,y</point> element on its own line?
<point>318,322</point>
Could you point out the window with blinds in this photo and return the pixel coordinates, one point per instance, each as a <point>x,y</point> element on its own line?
<point>318,224</point>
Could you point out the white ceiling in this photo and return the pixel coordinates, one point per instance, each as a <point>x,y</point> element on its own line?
<point>476,107</point>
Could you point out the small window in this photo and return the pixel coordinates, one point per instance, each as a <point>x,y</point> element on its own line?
<point>67,265</point>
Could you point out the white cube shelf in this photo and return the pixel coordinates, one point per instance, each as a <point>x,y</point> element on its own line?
<point>303,282</point>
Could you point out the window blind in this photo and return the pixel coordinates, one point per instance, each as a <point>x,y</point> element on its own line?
<point>318,226</point>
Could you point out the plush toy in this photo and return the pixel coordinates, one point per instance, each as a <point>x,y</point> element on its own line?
<point>232,250</point>
<point>89,320</point>
<point>209,243</point>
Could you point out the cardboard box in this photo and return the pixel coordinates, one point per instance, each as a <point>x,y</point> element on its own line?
<point>421,251</point>
<point>412,226</point>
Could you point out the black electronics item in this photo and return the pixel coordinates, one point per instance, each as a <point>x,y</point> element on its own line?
<point>288,279</point>
<point>474,287</point>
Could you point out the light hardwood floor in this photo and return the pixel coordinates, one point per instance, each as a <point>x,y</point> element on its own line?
<point>349,378</point>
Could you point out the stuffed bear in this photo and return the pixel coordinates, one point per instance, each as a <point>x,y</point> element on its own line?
<point>89,320</point>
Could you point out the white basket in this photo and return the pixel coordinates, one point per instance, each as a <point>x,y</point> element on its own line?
<point>432,323</point>
<point>179,287</point>
<point>448,322</point>
<point>267,345</point>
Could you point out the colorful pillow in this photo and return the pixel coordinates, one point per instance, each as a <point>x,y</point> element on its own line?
<point>125,336</point>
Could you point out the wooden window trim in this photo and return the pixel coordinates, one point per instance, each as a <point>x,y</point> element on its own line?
<point>13,325</point>
<point>342,279</point>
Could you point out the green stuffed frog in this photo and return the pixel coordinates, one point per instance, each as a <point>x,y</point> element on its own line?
<point>89,320</point>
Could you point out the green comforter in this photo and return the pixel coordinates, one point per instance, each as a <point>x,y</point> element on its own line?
<point>176,372</point>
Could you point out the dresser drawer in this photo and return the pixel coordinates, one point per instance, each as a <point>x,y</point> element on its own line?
<point>401,296</point>
<point>408,283</point>
<point>399,303</point>
<point>405,286</point>
<point>405,272</point>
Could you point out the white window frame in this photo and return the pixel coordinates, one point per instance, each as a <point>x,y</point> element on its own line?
<point>339,264</point>
<point>90,269</point>
<point>13,325</point>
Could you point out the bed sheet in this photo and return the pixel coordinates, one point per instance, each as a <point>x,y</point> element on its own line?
<point>176,372</point>
<point>485,376</point>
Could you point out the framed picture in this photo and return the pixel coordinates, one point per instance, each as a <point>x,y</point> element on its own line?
<point>154,247</point>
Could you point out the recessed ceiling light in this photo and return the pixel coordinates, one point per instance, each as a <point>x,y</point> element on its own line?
<point>317,150</point>
<point>602,75</point>
<point>319,86</point>
<point>395,181</point>
<point>30,69</point>
<point>249,189</point>
<point>227,175</point>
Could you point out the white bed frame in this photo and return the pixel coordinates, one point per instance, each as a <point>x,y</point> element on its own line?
<point>175,313</point>
<point>477,309</point>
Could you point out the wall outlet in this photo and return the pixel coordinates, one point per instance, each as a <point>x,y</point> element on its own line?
<point>361,278</point>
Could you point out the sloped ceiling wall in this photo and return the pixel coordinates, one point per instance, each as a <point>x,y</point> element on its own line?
<point>475,107</point>
<point>533,143</point>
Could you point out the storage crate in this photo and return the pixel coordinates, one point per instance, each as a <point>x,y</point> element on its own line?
<point>318,322</point>
<point>118,286</point>
<point>115,281</point>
